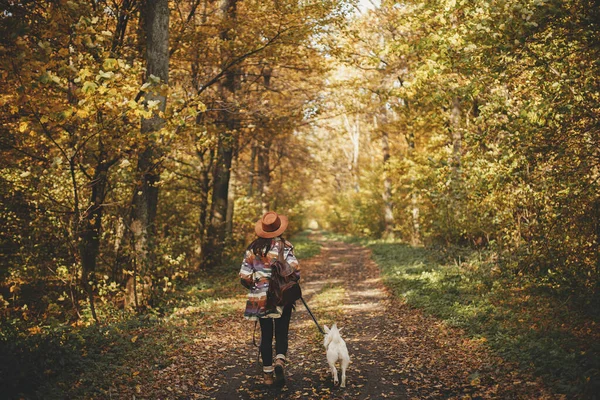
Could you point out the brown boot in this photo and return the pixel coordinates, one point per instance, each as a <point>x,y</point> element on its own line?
<point>268,378</point>
<point>279,372</point>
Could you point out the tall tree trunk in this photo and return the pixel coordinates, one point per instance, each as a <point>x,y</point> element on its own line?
<point>90,230</point>
<point>205,157</point>
<point>456,141</point>
<point>414,197</point>
<point>452,208</point>
<point>353,131</point>
<point>455,187</point>
<point>230,206</point>
<point>120,259</point>
<point>145,199</point>
<point>252,173</point>
<point>597,231</point>
<point>264,176</point>
<point>388,206</point>
<point>216,232</point>
<point>414,202</point>
<point>263,152</point>
<point>207,161</point>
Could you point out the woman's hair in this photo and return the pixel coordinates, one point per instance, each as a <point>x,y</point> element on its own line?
<point>261,246</point>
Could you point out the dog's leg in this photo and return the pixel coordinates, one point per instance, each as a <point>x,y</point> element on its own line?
<point>333,373</point>
<point>344,365</point>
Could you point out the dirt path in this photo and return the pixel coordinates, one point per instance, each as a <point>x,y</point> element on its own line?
<point>396,351</point>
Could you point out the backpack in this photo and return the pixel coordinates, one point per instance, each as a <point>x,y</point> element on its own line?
<point>284,288</point>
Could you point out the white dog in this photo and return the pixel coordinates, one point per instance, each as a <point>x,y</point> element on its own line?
<point>336,350</point>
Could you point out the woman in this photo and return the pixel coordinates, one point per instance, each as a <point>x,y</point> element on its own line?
<point>255,275</point>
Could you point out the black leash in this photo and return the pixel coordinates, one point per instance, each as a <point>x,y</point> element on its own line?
<point>311,314</point>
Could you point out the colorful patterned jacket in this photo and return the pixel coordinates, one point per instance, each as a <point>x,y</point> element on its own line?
<point>255,275</point>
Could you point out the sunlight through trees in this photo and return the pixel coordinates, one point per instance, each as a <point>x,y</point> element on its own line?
<point>141,140</point>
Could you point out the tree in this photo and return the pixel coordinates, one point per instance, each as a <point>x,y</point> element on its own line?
<point>145,197</point>
<point>228,122</point>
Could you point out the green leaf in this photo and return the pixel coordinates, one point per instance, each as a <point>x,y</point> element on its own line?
<point>110,64</point>
<point>89,87</point>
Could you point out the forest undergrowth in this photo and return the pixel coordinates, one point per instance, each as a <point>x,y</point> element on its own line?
<point>86,362</point>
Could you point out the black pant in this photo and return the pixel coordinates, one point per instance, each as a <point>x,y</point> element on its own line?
<point>282,325</point>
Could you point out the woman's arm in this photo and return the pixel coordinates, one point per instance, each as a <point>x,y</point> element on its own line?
<point>292,260</point>
<point>247,270</point>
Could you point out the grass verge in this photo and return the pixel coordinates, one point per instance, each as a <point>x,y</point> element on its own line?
<point>542,333</point>
<point>304,247</point>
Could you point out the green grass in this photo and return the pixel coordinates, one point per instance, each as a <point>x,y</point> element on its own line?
<point>304,247</point>
<point>344,238</point>
<point>537,331</point>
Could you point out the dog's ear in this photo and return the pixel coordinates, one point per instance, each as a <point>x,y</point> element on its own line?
<point>325,328</point>
<point>334,326</point>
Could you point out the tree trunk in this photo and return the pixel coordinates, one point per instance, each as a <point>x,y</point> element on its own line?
<point>353,131</point>
<point>145,199</point>
<point>90,230</point>
<point>453,207</point>
<point>215,236</point>
<point>456,141</point>
<point>597,232</point>
<point>264,176</point>
<point>263,152</point>
<point>414,202</point>
<point>216,232</point>
<point>123,13</point>
<point>205,157</point>
<point>230,206</point>
<point>252,170</point>
<point>414,197</point>
<point>388,206</point>
<point>207,165</point>
<point>120,259</point>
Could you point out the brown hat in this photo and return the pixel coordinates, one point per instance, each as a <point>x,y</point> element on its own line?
<point>271,225</point>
